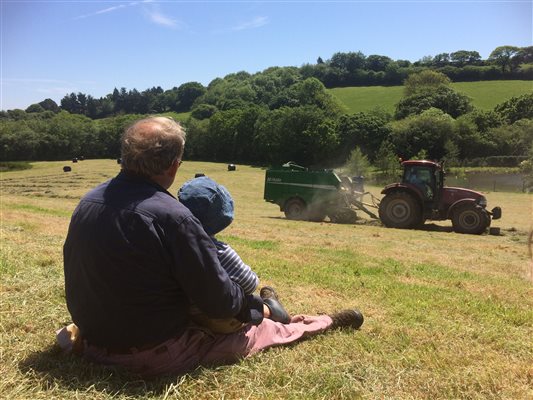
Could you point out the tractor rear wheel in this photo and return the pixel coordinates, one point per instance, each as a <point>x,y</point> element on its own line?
<point>296,209</point>
<point>400,210</point>
<point>470,218</point>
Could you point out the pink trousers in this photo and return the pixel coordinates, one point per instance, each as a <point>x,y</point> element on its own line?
<point>196,346</point>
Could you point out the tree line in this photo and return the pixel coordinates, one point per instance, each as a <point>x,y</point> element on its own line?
<point>341,70</point>
<point>280,115</point>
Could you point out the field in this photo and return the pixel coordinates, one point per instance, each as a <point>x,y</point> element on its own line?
<point>448,316</point>
<point>485,95</point>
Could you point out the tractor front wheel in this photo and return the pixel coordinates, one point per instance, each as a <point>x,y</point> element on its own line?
<point>400,210</point>
<point>296,209</point>
<point>470,218</point>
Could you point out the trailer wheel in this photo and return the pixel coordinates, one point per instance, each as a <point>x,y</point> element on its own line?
<point>400,210</point>
<point>470,218</point>
<point>296,209</point>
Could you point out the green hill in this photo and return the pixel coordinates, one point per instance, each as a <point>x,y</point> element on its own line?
<point>485,95</point>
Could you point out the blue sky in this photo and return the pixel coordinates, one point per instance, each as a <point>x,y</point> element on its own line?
<point>52,48</point>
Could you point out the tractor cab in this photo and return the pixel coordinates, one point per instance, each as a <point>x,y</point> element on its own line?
<point>425,177</point>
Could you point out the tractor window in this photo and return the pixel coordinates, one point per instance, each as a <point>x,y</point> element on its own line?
<point>421,177</point>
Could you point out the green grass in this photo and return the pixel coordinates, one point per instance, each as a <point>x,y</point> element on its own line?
<point>485,95</point>
<point>446,315</point>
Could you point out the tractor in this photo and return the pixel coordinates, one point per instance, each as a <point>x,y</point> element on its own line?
<point>421,195</point>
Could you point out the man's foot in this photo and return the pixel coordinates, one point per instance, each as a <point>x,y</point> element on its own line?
<point>347,318</point>
<point>271,300</point>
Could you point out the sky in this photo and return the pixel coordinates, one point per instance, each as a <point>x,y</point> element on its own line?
<point>52,48</point>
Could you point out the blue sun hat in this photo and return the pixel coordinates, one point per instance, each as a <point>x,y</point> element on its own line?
<point>208,201</point>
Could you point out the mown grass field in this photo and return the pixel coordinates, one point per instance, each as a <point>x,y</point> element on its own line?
<point>485,95</point>
<point>448,316</point>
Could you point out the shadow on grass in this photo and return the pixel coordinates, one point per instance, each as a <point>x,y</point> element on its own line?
<point>51,368</point>
<point>435,228</point>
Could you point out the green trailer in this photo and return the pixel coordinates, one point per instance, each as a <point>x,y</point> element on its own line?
<point>304,194</point>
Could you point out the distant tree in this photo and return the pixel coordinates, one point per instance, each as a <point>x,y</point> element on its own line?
<point>464,57</point>
<point>403,63</point>
<point>444,98</point>
<point>515,139</point>
<point>366,130</point>
<point>187,95</point>
<point>348,61</point>
<point>441,60</point>
<point>357,163</point>
<point>433,131</point>
<point>377,63</point>
<point>483,120</point>
<point>516,108</point>
<point>17,114</point>
<point>524,55</point>
<point>305,135</point>
<point>425,61</point>
<point>319,60</point>
<point>203,111</point>
<point>425,80</point>
<point>35,108</point>
<point>387,162</point>
<point>50,105</point>
<point>470,140</point>
<point>502,56</point>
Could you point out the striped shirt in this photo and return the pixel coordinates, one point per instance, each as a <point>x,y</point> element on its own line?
<point>238,271</point>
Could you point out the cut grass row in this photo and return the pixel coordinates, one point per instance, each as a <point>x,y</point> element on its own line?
<point>447,315</point>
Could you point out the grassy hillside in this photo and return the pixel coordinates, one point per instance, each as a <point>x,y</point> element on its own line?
<point>447,315</point>
<point>485,95</point>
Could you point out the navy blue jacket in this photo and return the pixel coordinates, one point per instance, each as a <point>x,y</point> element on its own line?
<point>135,259</point>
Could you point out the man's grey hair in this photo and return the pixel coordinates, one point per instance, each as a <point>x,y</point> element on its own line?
<point>151,145</point>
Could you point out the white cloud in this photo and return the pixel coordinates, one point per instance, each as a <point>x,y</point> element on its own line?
<point>252,24</point>
<point>160,19</point>
<point>114,8</point>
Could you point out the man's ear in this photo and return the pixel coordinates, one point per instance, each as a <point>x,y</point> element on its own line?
<point>173,169</point>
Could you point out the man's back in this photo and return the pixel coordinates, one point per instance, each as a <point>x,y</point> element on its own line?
<point>133,256</point>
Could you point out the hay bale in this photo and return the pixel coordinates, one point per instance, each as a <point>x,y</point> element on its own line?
<point>231,167</point>
<point>66,168</point>
<point>74,160</point>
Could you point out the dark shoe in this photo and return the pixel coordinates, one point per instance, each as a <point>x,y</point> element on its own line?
<point>277,311</point>
<point>347,318</point>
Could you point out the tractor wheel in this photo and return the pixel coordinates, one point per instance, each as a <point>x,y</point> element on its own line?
<point>471,219</point>
<point>296,209</point>
<point>400,210</point>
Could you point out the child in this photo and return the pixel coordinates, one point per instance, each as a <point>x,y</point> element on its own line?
<point>212,205</point>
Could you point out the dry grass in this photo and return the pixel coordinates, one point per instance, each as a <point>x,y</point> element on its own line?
<point>447,315</point>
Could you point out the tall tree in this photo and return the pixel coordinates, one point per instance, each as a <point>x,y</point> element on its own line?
<point>502,56</point>
<point>188,93</point>
<point>50,105</point>
<point>465,57</point>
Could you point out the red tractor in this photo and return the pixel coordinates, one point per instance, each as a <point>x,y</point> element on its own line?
<point>421,196</point>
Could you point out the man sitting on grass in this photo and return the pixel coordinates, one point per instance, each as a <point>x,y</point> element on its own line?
<point>135,260</point>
